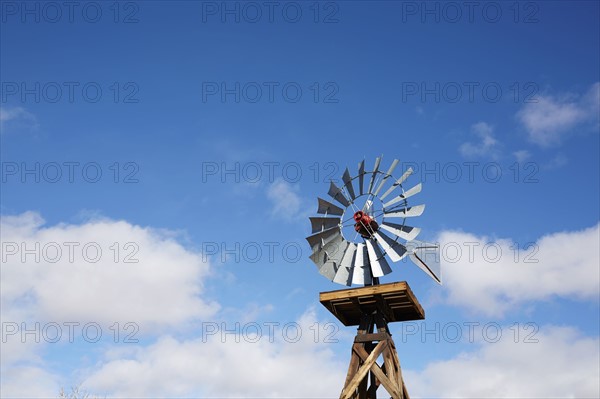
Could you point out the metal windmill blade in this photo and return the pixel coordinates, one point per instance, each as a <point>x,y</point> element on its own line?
<point>328,257</point>
<point>337,194</point>
<point>323,223</point>
<point>374,174</point>
<point>345,269</point>
<point>348,184</point>
<point>327,208</point>
<point>380,231</point>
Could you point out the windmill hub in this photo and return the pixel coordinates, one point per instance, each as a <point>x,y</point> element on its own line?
<point>365,225</point>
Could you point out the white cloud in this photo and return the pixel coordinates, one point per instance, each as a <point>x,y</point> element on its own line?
<point>161,289</point>
<point>16,118</point>
<point>561,364</point>
<point>222,367</point>
<point>549,120</point>
<point>486,146</point>
<point>285,200</point>
<point>522,155</point>
<point>159,292</point>
<point>490,281</point>
<point>28,382</point>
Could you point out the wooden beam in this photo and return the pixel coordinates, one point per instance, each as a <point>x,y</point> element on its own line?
<point>364,291</point>
<point>395,301</point>
<point>348,391</point>
<point>399,374</point>
<point>391,386</point>
<point>353,367</point>
<point>371,337</point>
<point>388,362</point>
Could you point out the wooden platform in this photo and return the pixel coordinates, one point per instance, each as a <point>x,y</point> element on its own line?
<point>395,300</point>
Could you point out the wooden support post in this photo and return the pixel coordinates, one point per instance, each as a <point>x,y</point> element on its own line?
<point>365,375</point>
<point>371,308</point>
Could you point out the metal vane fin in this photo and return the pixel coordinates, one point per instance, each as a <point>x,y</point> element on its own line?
<point>323,223</point>
<point>394,249</point>
<point>361,176</point>
<point>328,258</point>
<point>374,174</point>
<point>408,212</point>
<point>407,233</point>
<point>344,272</point>
<point>407,194</point>
<point>318,240</point>
<point>387,175</point>
<point>327,208</point>
<point>397,183</point>
<point>361,272</point>
<point>379,265</point>
<point>348,183</point>
<point>336,193</point>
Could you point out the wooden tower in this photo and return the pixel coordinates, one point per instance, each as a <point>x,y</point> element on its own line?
<point>371,308</point>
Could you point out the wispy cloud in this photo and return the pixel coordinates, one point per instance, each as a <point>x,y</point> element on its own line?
<point>553,117</point>
<point>285,200</point>
<point>522,155</point>
<point>486,145</point>
<point>16,118</point>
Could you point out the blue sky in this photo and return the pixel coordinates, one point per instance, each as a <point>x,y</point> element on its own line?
<point>496,109</point>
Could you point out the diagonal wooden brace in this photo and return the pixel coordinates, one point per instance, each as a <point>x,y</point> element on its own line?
<point>390,385</point>
<point>369,360</point>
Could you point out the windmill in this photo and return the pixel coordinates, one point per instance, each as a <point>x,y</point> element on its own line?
<point>365,223</point>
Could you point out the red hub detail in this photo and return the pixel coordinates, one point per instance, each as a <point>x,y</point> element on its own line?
<point>365,225</point>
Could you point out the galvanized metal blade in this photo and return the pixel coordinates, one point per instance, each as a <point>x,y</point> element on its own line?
<point>407,194</point>
<point>361,176</point>
<point>343,276</point>
<point>348,183</point>
<point>394,249</point>
<point>349,254</point>
<point>327,251</point>
<point>426,256</point>
<point>329,270</point>
<point>317,241</point>
<point>387,175</point>
<point>379,265</point>
<point>327,208</point>
<point>374,174</point>
<point>407,233</point>
<point>361,272</point>
<point>323,223</point>
<point>397,183</point>
<point>344,272</point>
<point>408,212</point>
<point>336,193</point>
<point>328,258</point>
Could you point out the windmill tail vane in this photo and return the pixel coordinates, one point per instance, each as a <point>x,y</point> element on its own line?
<point>378,223</point>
